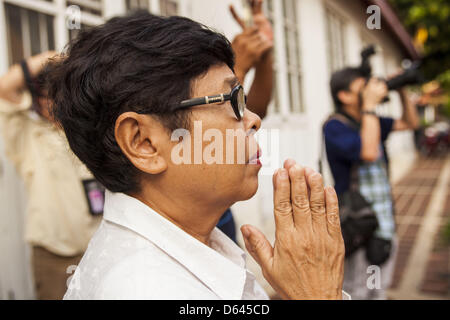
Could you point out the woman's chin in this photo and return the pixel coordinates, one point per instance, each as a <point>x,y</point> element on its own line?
<point>248,190</point>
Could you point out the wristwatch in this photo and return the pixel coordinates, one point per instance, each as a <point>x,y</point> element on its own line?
<point>373,113</point>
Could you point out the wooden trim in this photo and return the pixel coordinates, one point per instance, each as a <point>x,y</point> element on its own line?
<point>396,27</point>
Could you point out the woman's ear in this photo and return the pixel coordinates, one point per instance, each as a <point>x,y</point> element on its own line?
<point>140,138</point>
<point>344,97</point>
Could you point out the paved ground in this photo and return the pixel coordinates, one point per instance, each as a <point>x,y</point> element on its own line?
<point>422,202</point>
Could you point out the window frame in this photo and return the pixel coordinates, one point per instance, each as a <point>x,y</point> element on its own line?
<point>341,46</point>
<point>281,106</point>
<point>154,6</point>
<point>28,45</point>
<point>57,9</point>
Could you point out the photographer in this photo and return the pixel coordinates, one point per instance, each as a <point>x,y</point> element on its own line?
<point>58,222</point>
<point>354,141</point>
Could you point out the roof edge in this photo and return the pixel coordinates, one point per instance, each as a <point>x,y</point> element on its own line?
<point>396,27</point>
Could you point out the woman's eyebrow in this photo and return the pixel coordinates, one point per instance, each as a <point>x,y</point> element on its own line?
<point>231,81</point>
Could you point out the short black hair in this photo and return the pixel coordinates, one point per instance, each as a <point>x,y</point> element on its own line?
<point>140,62</point>
<point>341,80</point>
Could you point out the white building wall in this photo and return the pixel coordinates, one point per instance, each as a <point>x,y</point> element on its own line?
<point>300,138</point>
<point>299,134</point>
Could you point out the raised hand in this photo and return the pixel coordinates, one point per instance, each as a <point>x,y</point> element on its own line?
<point>253,42</point>
<point>259,19</point>
<point>37,62</point>
<point>307,259</point>
<point>249,46</point>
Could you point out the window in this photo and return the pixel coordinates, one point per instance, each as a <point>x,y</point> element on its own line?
<point>335,41</point>
<point>28,32</point>
<point>74,32</point>
<point>291,34</point>
<point>283,15</point>
<point>93,7</point>
<point>162,7</point>
<point>40,25</point>
<point>90,14</point>
<point>270,15</point>
<point>168,7</point>
<point>34,26</point>
<point>137,4</point>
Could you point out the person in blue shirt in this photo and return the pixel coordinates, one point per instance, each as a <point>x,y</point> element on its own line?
<point>356,136</point>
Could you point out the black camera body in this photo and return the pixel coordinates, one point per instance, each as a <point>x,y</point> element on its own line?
<point>409,76</point>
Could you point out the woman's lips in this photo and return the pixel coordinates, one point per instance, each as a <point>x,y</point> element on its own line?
<point>255,158</point>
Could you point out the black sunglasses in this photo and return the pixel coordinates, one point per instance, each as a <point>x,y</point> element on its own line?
<point>236,96</point>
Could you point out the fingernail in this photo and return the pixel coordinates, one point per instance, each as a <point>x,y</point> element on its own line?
<point>245,232</point>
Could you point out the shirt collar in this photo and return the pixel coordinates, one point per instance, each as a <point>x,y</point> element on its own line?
<point>222,269</point>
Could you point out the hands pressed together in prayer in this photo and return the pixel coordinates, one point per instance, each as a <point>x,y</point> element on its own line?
<point>307,259</point>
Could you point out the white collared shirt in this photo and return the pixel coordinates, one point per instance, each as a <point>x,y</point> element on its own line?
<point>138,254</point>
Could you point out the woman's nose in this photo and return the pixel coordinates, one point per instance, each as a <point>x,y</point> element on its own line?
<point>251,121</point>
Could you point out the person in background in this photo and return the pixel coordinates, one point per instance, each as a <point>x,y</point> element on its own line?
<point>252,49</point>
<point>355,138</point>
<point>59,219</point>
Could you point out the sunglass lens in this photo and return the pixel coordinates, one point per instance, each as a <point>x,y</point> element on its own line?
<point>241,101</point>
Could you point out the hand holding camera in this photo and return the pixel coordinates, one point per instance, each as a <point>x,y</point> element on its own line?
<point>373,94</point>
<point>409,76</point>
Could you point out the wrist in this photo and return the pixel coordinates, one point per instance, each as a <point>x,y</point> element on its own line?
<point>369,112</point>
<point>369,106</point>
<point>266,55</point>
<point>240,74</point>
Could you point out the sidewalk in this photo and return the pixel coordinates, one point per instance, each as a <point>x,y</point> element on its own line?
<point>422,203</point>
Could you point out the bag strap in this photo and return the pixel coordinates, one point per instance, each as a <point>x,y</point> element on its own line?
<point>322,145</point>
<point>354,181</point>
<point>345,119</point>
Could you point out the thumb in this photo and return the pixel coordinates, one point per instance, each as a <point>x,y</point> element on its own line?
<point>258,246</point>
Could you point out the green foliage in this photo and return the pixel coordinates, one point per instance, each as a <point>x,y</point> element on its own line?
<point>444,79</point>
<point>446,110</point>
<point>446,233</point>
<point>434,16</point>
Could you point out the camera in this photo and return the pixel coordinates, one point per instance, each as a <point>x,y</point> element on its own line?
<point>409,76</point>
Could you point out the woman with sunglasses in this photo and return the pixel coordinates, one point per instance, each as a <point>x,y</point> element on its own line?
<point>171,83</point>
